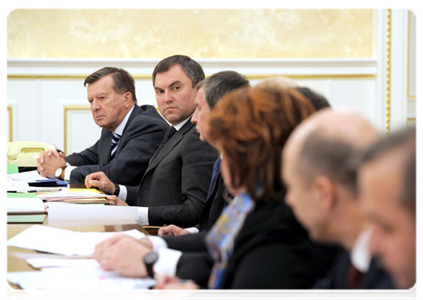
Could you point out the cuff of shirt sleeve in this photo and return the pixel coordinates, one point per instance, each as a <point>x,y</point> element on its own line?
<point>123,192</point>
<point>167,262</point>
<point>68,171</point>
<point>142,215</point>
<point>192,230</point>
<point>158,243</point>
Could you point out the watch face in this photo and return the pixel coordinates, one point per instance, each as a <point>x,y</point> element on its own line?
<point>58,172</point>
<point>151,258</point>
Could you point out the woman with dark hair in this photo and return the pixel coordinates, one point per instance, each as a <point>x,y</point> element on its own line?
<point>257,243</point>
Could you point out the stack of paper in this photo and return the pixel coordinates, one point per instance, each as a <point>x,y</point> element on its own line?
<point>24,208</point>
<point>81,196</point>
<point>71,276</point>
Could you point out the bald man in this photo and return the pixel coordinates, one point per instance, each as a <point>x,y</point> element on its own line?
<point>319,169</point>
<point>387,186</point>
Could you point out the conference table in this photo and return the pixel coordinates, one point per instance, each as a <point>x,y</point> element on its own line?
<point>16,257</point>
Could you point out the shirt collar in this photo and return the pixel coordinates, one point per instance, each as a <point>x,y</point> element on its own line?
<point>360,255</point>
<point>121,127</point>
<point>179,125</point>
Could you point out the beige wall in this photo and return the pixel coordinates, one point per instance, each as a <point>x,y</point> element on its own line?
<point>197,33</point>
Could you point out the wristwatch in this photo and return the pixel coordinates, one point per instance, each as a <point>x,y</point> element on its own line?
<point>117,189</point>
<point>58,173</point>
<point>149,261</point>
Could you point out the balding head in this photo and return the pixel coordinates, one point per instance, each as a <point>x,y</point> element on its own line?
<point>319,170</point>
<point>328,144</point>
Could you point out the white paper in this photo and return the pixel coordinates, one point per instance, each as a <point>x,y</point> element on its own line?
<point>62,241</point>
<point>70,211</point>
<point>76,279</point>
<point>39,263</point>
<point>25,205</point>
<point>30,176</point>
<point>13,185</point>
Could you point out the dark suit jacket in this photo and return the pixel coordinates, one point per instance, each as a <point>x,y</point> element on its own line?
<point>141,137</point>
<point>374,278</point>
<point>175,184</point>
<point>272,251</point>
<point>214,204</point>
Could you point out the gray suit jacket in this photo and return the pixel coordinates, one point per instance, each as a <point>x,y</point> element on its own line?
<point>141,137</point>
<point>175,185</point>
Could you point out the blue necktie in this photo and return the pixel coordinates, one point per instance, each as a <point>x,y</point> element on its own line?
<point>115,142</point>
<point>216,167</point>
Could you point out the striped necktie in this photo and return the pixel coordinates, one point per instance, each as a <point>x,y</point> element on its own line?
<point>169,133</point>
<point>115,142</point>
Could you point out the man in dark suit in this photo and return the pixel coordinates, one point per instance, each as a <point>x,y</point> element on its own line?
<point>319,169</point>
<point>387,186</point>
<point>130,136</point>
<point>174,186</point>
<point>210,91</point>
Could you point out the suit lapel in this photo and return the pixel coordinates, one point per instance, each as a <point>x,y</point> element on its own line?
<point>105,147</point>
<point>175,139</point>
<point>122,141</point>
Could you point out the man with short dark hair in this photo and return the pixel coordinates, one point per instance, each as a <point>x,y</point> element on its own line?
<point>387,186</point>
<point>174,187</point>
<point>130,136</point>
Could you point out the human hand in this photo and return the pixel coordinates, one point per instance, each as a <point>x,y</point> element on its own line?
<point>124,254</point>
<point>167,283</point>
<point>114,200</point>
<point>49,161</point>
<point>101,181</point>
<point>172,230</point>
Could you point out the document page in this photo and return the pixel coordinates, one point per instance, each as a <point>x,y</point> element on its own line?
<point>62,241</point>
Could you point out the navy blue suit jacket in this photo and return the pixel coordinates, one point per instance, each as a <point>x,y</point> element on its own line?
<point>374,278</point>
<point>141,137</point>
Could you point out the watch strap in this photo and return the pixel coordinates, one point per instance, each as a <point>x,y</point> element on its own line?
<point>117,189</point>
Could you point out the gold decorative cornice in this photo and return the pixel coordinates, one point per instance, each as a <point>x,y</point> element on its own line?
<point>388,73</point>
<point>10,112</point>
<point>252,76</point>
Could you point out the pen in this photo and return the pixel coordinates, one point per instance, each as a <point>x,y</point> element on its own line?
<point>44,191</point>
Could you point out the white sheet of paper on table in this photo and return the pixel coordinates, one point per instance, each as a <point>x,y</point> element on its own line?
<point>28,205</point>
<point>39,263</point>
<point>62,241</point>
<point>70,211</point>
<point>76,279</point>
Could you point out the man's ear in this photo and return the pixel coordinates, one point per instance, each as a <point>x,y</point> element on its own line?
<point>325,191</point>
<point>128,99</point>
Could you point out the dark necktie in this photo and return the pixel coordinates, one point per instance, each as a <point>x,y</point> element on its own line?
<point>115,142</point>
<point>216,167</point>
<point>169,133</point>
<point>354,277</point>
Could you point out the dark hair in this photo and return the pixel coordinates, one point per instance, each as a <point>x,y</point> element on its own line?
<point>251,126</point>
<point>123,81</point>
<point>334,158</point>
<point>319,101</point>
<point>404,139</point>
<point>219,84</point>
<point>192,68</point>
